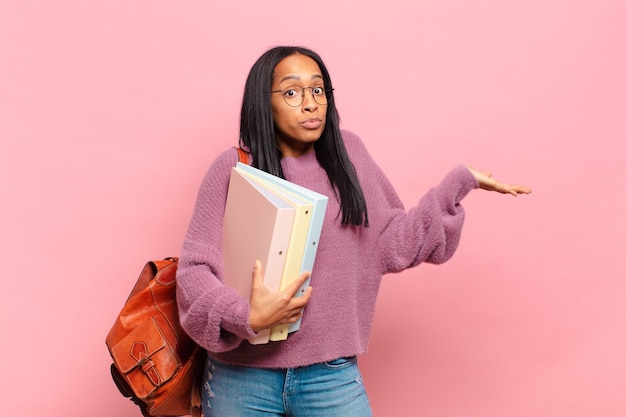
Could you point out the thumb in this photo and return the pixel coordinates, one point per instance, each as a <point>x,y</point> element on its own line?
<point>257,274</point>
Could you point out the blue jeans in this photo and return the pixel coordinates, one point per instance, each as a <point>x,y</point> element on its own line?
<point>330,389</point>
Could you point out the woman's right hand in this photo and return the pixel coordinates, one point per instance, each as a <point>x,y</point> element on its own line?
<point>269,309</point>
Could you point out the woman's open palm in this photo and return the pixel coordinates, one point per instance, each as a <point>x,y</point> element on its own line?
<point>487,182</point>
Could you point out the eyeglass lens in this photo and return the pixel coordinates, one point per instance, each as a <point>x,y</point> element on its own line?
<point>294,96</point>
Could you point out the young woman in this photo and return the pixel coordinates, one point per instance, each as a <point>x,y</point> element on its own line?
<point>290,128</point>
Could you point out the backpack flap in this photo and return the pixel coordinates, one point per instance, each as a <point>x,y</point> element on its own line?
<point>145,358</point>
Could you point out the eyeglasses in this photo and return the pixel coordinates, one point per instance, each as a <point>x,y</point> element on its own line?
<point>294,96</point>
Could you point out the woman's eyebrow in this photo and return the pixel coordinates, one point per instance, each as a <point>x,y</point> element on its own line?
<point>297,77</point>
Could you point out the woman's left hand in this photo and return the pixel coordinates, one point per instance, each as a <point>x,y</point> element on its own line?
<point>487,182</point>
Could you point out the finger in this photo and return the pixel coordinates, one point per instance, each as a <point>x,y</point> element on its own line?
<point>301,301</point>
<point>505,189</point>
<point>294,317</point>
<point>523,189</point>
<point>518,189</point>
<point>297,283</point>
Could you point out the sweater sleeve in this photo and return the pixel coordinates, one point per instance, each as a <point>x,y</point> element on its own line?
<point>429,232</point>
<point>213,314</point>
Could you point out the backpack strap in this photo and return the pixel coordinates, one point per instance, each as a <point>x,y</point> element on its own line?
<point>243,156</point>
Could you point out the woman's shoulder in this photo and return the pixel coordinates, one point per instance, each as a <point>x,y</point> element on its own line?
<point>351,139</point>
<point>355,147</point>
<point>221,166</point>
<point>225,160</point>
<point>229,156</point>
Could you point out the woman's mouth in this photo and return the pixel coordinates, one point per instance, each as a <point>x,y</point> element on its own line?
<point>312,123</point>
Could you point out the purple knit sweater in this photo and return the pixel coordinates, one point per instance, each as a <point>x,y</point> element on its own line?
<point>348,268</point>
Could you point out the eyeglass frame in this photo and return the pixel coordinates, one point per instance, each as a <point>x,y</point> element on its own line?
<point>326,91</point>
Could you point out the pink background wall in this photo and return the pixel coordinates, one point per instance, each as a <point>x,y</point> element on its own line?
<point>110,113</point>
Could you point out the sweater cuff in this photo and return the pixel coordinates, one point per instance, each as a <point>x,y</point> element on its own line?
<point>238,314</point>
<point>461,181</point>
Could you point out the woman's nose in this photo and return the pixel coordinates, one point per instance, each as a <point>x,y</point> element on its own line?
<point>308,102</point>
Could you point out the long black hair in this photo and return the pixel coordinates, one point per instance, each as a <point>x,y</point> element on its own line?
<point>257,134</point>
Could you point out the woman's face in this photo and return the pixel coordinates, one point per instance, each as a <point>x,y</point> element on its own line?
<point>297,128</point>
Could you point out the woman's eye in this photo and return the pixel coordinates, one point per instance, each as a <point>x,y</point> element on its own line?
<point>291,93</point>
<point>318,91</point>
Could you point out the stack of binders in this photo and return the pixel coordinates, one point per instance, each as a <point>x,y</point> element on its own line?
<point>277,222</point>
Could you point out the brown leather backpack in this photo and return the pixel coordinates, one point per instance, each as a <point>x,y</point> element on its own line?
<point>155,363</point>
